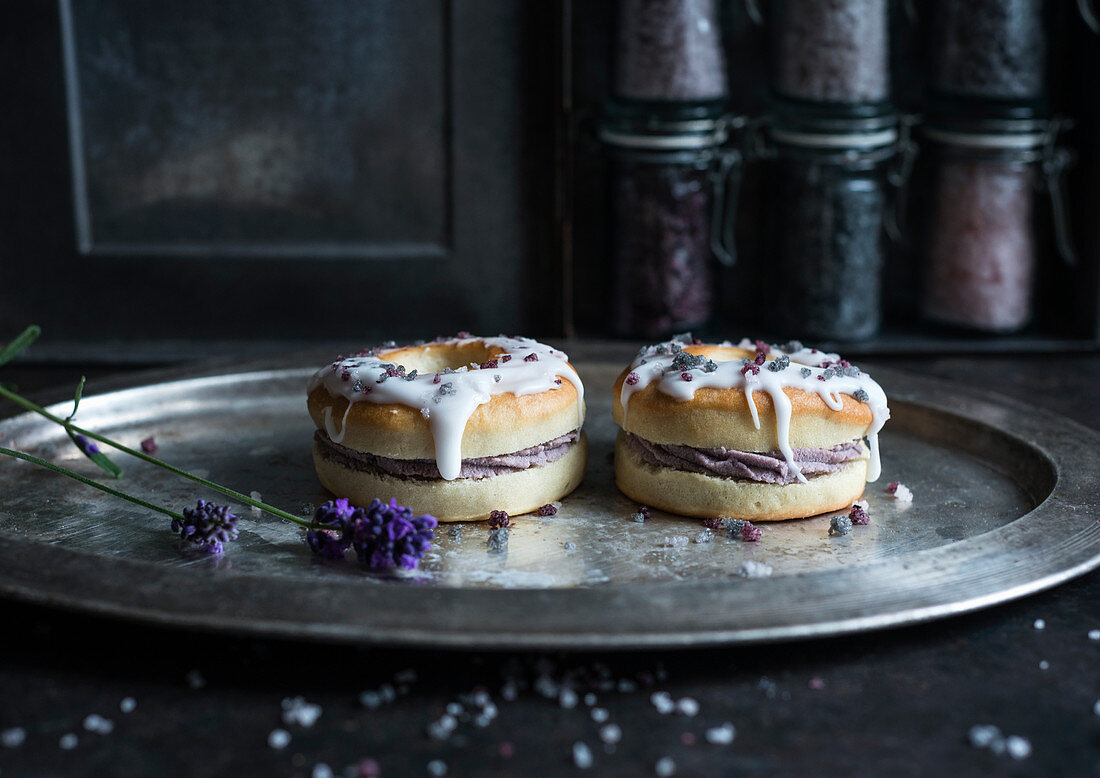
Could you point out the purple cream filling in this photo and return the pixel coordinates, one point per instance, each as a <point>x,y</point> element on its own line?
<point>769,468</point>
<point>479,467</point>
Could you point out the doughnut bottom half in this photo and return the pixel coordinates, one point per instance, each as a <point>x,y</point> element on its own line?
<point>695,494</point>
<point>462,499</point>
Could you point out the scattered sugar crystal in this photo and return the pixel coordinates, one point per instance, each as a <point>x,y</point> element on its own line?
<point>600,715</point>
<point>582,755</point>
<point>258,498</point>
<point>665,767</point>
<point>984,735</point>
<point>902,494</point>
<point>1039,624</point>
<point>426,412</point>
<point>278,739</point>
<point>93,722</point>
<point>704,536</point>
<point>611,733</point>
<point>13,737</point>
<point>1018,747</point>
<point>127,705</point>
<point>569,545</point>
<point>688,706</point>
<point>722,735</point>
<point>752,569</point>
<point>840,525</point>
<point>676,541</point>
<point>67,742</point>
<point>662,701</point>
<point>437,768</point>
<point>297,711</point>
<point>321,770</point>
<point>442,728</point>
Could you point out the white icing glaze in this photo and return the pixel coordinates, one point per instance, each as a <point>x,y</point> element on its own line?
<point>651,365</point>
<point>447,400</point>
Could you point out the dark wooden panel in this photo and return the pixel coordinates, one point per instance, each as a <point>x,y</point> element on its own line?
<point>259,128</point>
<point>415,199</point>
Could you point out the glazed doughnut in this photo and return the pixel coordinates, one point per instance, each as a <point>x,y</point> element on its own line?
<point>750,431</point>
<point>456,428</point>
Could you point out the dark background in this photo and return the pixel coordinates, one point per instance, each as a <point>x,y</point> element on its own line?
<point>239,161</point>
<point>181,180</point>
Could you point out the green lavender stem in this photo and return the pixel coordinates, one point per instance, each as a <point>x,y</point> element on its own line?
<point>89,482</point>
<point>28,405</point>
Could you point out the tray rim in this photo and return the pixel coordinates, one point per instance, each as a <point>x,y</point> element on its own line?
<point>53,575</point>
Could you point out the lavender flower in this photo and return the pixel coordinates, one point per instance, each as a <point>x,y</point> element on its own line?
<point>335,538</point>
<point>85,445</point>
<point>207,526</point>
<point>385,536</point>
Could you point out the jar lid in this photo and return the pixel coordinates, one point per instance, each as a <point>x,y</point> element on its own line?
<point>989,124</point>
<point>992,134</point>
<point>666,126</point>
<point>833,125</point>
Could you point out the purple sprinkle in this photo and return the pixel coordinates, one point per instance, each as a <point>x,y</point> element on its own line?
<point>501,520</point>
<point>531,358</point>
<point>892,487</point>
<point>713,524</point>
<point>547,510</point>
<point>750,533</point>
<point>685,376</point>
<point>858,515</point>
<point>492,364</point>
<point>463,335</point>
<point>631,379</point>
<point>506,358</point>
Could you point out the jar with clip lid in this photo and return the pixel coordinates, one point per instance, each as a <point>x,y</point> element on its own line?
<point>832,182</point>
<point>983,236</point>
<point>673,190</point>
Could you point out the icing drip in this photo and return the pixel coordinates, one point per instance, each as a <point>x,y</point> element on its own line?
<point>447,400</point>
<point>654,364</point>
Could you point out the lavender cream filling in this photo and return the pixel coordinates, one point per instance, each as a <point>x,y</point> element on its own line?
<point>769,468</point>
<point>424,469</point>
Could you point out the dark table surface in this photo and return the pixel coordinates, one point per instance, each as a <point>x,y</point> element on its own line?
<point>898,702</point>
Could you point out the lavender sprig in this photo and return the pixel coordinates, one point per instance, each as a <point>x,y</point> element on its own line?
<point>89,482</point>
<point>89,449</point>
<point>74,429</point>
<point>384,536</point>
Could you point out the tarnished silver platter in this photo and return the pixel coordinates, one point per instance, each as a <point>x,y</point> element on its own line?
<point>1006,503</point>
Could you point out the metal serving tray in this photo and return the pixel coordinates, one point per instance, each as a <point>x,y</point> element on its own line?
<point>1006,503</point>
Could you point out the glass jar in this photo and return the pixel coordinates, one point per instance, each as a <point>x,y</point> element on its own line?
<point>670,50</point>
<point>990,49</point>
<point>673,191</point>
<point>982,242</point>
<point>835,51</point>
<point>830,204</point>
